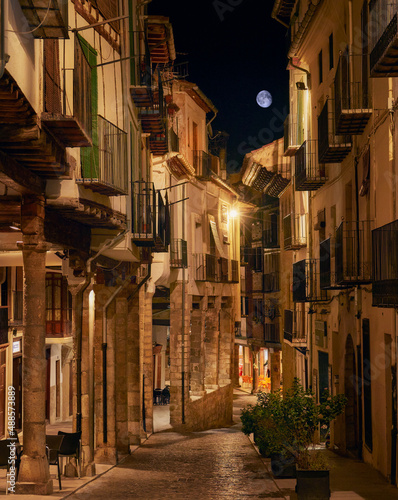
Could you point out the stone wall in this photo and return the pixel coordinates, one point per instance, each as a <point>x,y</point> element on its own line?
<point>210,411</point>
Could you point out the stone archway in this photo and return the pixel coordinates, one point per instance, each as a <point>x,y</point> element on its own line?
<point>351,410</point>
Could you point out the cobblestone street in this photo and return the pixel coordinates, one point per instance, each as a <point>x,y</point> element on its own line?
<point>204,465</point>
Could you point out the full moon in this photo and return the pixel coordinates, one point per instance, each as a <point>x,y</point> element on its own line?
<point>264,99</point>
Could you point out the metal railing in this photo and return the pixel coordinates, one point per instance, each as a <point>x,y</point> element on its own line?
<point>385,265</point>
<point>205,266</point>
<point>332,148</point>
<point>235,271</point>
<point>178,253</point>
<point>306,282</point>
<point>309,174</point>
<point>352,92</point>
<point>382,23</point>
<point>353,252</point>
<point>272,332</point>
<point>107,163</point>
<point>205,164</point>
<point>143,211</point>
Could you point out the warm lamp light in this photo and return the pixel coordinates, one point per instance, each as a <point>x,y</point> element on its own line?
<point>233,213</point>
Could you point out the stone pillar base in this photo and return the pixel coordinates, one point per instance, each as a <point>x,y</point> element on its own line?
<point>88,470</point>
<point>70,469</point>
<point>34,488</point>
<point>106,455</point>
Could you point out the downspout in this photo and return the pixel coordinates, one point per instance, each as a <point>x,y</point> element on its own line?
<point>105,346</point>
<point>301,69</point>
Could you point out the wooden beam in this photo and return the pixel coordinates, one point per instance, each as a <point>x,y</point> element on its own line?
<point>19,178</point>
<point>66,232</point>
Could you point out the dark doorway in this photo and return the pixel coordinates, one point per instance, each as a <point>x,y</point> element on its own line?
<point>351,409</point>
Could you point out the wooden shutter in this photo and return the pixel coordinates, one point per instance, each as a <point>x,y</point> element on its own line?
<point>52,78</point>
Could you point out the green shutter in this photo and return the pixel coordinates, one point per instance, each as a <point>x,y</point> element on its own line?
<point>90,156</point>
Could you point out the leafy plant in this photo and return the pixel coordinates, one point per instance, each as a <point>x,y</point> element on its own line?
<point>286,424</point>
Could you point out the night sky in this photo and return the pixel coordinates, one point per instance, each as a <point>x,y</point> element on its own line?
<point>234,50</point>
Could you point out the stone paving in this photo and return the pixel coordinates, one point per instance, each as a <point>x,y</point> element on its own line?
<point>215,464</point>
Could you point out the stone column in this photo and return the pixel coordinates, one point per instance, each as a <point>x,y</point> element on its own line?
<point>197,362</point>
<point>147,358</point>
<point>179,353</point>
<point>212,338</point>
<point>34,475</point>
<point>134,372</point>
<point>226,344</point>
<point>122,440</point>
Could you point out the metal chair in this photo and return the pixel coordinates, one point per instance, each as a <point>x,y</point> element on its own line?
<point>53,445</point>
<point>71,446</point>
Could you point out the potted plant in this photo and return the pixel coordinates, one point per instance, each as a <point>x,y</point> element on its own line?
<point>287,424</point>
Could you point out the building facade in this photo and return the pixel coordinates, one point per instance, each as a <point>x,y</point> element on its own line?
<point>341,138</point>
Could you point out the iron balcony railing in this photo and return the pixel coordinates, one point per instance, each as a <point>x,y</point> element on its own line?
<point>271,282</point>
<point>353,100</point>
<point>104,167</point>
<point>178,253</point>
<point>309,175</point>
<point>294,231</point>
<point>353,252</point>
<point>385,265</point>
<point>332,148</point>
<point>205,267</point>
<point>383,25</point>
<point>222,270</point>
<point>150,217</point>
<point>327,266</point>
<point>272,332</point>
<point>205,164</point>
<point>306,282</point>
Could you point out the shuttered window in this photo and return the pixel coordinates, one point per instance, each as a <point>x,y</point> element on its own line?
<point>52,77</point>
<point>90,156</point>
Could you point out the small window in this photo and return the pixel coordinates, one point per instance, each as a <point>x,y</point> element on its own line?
<point>320,67</point>
<point>331,59</point>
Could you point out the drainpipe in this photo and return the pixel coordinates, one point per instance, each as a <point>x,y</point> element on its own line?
<point>105,345</point>
<point>301,69</point>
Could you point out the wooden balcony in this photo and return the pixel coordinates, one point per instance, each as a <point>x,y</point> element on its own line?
<point>309,175</point>
<point>21,137</point>
<point>104,167</point>
<point>353,100</point>
<point>353,253</point>
<point>70,124</point>
<point>385,265</point>
<point>306,282</point>
<point>332,148</point>
<point>383,25</point>
<point>142,89</point>
<point>46,22</point>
